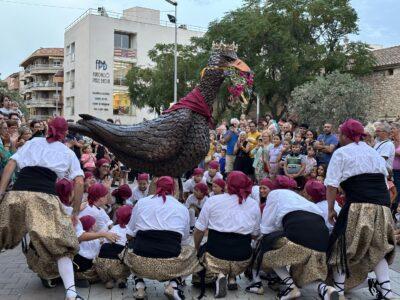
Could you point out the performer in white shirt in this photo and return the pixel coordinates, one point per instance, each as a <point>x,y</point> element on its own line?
<point>218,187</point>
<point>108,264</point>
<point>316,192</point>
<point>142,189</point>
<point>295,238</point>
<point>363,236</point>
<point>88,251</point>
<point>188,185</point>
<point>195,202</point>
<point>41,161</point>
<point>97,198</point>
<point>161,251</point>
<point>212,173</point>
<point>231,220</point>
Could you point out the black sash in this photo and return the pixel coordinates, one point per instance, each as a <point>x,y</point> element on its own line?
<point>36,179</point>
<point>229,245</point>
<point>300,227</point>
<point>110,251</point>
<point>82,264</point>
<point>157,244</point>
<point>363,188</point>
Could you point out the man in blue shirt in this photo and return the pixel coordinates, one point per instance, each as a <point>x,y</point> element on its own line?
<point>229,139</point>
<point>325,145</point>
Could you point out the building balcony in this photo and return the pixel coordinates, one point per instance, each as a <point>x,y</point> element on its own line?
<point>43,102</point>
<point>42,86</point>
<point>42,69</point>
<point>125,53</point>
<point>39,117</point>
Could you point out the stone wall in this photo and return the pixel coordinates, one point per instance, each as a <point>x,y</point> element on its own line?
<point>385,85</point>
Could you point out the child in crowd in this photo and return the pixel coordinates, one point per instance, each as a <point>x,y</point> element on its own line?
<point>222,162</point>
<point>316,192</point>
<point>121,196</point>
<point>321,172</point>
<point>274,155</point>
<point>196,201</point>
<point>88,159</point>
<point>108,264</point>
<point>310,161</point>
<point>294,165</point>
<point>197,177</point>
<point>142,189</point>
<point>217,154</point>
<point>218,187</point>
<point>298,138</point>
<point>286,148</point>
<point>212,173</point>
<point>97,198</point>
<point>88,251</point>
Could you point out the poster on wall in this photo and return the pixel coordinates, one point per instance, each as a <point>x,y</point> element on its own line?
<point>101,88</point>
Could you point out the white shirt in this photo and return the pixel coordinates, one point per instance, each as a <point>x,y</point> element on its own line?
<point>210,179</point>
<point>386,149</point>
<point>103,221</point>
<point>138,194</point>
<point>223,213</point>
<point>78,227</point>
<point>192,200</point>
<point>90,249</point>
<point>54,156</point>
<point>255,193</point>
<point>151,213</point>
<point>122,234</point>
<point>281,202</point>
<point>323,205</point>
<point>351,160</point>
<point>188,185</point>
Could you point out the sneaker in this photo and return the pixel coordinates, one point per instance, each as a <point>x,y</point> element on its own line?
<point>173,293</point>
<point>232,285</point>
<point>109,284</point>
<point>48,283</point>
<point>255,288</point>
<point>220,287</point>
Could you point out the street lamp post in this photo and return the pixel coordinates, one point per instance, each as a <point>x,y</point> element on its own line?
<point>173,19</point>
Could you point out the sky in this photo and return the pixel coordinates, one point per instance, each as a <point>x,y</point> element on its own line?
<point>26,25</point>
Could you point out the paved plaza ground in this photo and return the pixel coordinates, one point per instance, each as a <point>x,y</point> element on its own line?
<point>17,282</point>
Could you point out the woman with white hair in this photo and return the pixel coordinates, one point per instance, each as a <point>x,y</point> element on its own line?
<point>369,138</point>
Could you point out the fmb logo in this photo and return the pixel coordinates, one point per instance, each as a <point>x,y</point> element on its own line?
<point>101,65</point>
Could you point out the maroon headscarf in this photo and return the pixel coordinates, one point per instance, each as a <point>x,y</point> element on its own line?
<point>213,165</point>
<point>202,188</point>
<point>124,215</point>
<point>268,183</point>
<point>165,185</point>
<point>124,192</point>
<point>58,128</point>
<point>198,171</point>
<point>353,129</point>
<point>87,222</point>
<point>64,188</point>
<point>316,190</point>
<point>88,175</point>
<point>220,182</point>
<point>95,192</point>
<point>239,184</point>
<point>143,176</point>
<point>284,182</point>
<point>101,162</point>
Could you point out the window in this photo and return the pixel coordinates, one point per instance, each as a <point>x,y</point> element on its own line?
<point>72,51</point>
<point>122,40</point>
<point>120,71</point>
<point>390,72</point>
<point>70,106</point>
<point>72,79</point>
<point>122,103</point>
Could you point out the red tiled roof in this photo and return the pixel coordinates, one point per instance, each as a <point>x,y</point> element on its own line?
<point>43,52</point>
<point>387,56</point>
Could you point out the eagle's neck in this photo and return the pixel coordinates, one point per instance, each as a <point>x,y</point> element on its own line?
<point>210,85</point>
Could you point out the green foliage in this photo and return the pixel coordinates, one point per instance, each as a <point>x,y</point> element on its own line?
<point>331,98</point>
<point>285,42</point>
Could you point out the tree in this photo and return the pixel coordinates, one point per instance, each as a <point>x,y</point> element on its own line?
<point>285,42</point>
<point>331,98</point>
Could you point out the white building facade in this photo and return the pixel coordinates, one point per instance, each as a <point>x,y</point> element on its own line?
<point>99,49</point>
